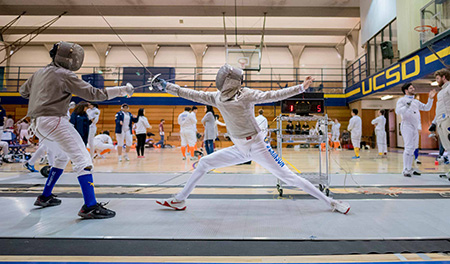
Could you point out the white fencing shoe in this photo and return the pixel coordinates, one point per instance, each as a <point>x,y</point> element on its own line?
<point>172,203</point>
<point>340,206</point>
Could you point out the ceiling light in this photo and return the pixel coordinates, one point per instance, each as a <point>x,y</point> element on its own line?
<point>434,83</point>
<point>387,97</point>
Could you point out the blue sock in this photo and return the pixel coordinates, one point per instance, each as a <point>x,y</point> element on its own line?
<point>53,177</point>
<point>416,153</point>
<point>87,187</point>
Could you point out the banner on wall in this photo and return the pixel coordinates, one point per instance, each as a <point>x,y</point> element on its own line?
<point>410,68</point>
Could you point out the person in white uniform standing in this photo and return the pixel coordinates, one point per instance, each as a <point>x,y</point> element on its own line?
<point>49,91</point>
<point>355,128</point>
<point>194,111</point>
<point>186,121</point>
<point>261,120</point>
<point>335,133</point>
<point>236,105</point>
<point>93,114</point>
<point>442,118</point>
<point>408,108</point>
<point>380,133</point>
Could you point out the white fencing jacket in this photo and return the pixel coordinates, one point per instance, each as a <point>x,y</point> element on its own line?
<point>380,123</point>
<point>355,126</point>
<point>443,102</point>
<point>411,113</point>
<point>239,111</point>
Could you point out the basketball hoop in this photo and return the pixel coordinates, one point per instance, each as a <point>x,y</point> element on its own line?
<point>426,28</point>
<point>244,62</point>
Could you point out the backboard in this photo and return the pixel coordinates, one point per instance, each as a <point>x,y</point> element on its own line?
<point>246,59</point>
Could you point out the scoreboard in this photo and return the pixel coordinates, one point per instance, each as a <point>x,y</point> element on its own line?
<point>303,104</point>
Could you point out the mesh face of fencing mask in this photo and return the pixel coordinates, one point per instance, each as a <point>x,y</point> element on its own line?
<point>228,81</point>
<point>69,56</point>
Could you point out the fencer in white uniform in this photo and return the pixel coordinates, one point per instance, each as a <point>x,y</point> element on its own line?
<point>261,120</point>
<point>49,91</point>
<point>103,143</point>
<point>93,114</point>
<point>408,108</point>
<point>380,133</point>
<point>236,105</point>
<point>335,133</point>
<point>355,128</point>
<point>188,137</point>
<point>442,118</point>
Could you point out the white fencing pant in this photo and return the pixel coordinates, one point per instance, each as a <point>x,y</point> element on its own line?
<point>124,137</point>
<point>443,129</point>
<point>411,141</point>
<point>100,146</point>
<point>335,138</point>
<point>62,138</point>
<point>1,132</point>
<point>24,134</point>
<point>91,136</point>
<point>381,140</point>
<point>356,140</point>
<point>188,137</point>
<point>5,147</point>
<point>39,153</point>
<point>245,150</point>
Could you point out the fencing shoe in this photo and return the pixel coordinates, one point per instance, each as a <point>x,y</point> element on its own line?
<point>340,206</point>
<point>172,203</point>
<point>407,173</point>
<point>29,167</point>
<point>98,211</point>
<point>47,201</point>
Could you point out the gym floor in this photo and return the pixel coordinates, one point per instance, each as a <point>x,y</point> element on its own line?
<point>234,215</point>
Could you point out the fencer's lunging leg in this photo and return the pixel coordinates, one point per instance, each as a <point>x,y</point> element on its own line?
<point>222,158</point>
<point>265,156</point>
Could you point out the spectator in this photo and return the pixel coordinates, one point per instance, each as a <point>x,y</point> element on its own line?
<point>305,128</point>
<point>141,132</point>
<point>160,143</point>
<point>80,121</point>
<point>290,128</point>
<point>298,128</point>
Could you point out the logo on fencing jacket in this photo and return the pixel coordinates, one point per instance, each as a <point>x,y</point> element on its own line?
<point>275,156</point>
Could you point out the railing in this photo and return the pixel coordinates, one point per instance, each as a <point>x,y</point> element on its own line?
<point>328,80</point>
<point>357,71</point>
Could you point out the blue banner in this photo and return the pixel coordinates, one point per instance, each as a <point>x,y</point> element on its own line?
<point>410,68</point>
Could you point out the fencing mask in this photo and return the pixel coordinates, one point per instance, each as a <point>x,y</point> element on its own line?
<point>228,81</point>
<point>67,55</point>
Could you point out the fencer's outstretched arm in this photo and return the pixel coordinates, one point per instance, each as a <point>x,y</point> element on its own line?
<point>86,91</point>
<point>427,106</point>
<point>275,96</point>
<point>196,96</point>
<point>260,97</point>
